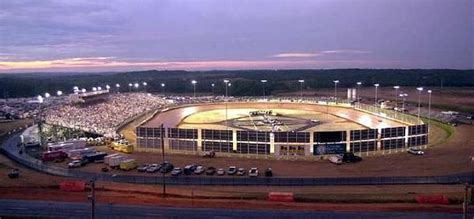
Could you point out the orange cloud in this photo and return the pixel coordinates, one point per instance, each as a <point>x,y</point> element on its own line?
<point>105,62</point>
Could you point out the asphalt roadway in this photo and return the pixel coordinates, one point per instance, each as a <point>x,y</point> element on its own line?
<point>49,209</point>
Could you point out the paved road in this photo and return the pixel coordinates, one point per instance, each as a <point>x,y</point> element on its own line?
<point>20,208</point>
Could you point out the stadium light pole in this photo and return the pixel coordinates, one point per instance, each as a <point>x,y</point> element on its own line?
<point>130,85</point>
<point>59,93</point>
<point>99,88</point>
<point>376,92</point>
<point>226,85</point>
<point>194,82</point>
<point>301,81</point>
<point>163,88</point>
<point>396,94</point>
<point>75,89</point>
<point>212,87</point>
<point>144,86</point>
<point>83,90</point>
<point>107,87</point>
<point>403,96</point>
<point>118,87</point>
<point>226,99</point>
<point>136,85</point>
<point>94,89</point>
<point>358,90</point>
<point>429,107</point>
<point>263,84</point>
<point>420,89</point>
<point>40,111</point>
<point>335,89</point>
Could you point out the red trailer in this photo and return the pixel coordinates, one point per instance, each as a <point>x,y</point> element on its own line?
<point>53,155</point>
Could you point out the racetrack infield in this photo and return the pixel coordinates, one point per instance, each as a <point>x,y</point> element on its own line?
<point>212,115</point>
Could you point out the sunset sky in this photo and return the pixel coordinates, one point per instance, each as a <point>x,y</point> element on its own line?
<point>78,36</point>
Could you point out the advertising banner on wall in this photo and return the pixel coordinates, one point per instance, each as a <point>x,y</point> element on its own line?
<point>322,149</point>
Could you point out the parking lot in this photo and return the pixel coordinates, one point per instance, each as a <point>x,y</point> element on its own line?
<point>453,156</point>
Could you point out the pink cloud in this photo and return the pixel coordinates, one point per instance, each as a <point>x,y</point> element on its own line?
<point>295,55</point>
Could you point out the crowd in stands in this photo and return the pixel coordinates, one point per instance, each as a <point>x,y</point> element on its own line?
<point>103,117</point>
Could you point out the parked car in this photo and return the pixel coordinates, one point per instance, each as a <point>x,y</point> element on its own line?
<point>14,173</point>
<point>189,169</point>
<point>232,170</point>
<point>74,164</point>
<point>176,171</point>
<point>209,154</point>
<point>241,171</point>
<point>336,159</point>
<point>350,157</point>
<point>220,172</point>
<point>199,170</point>
<point>253,172</point>
<point>166,167</point>
<point>269,172</point>
<point>153,168</point>
<point>210,171</point>
<point>143,167</point>
<point>415,151</point>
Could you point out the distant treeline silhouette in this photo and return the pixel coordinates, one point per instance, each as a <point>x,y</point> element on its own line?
<point>243,82</point>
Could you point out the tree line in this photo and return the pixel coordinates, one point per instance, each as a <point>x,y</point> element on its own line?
<point>243,82</point>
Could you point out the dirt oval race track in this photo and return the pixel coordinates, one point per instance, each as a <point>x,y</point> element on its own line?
<point>339,118</point>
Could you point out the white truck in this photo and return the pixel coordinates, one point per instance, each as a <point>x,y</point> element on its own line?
<point>107,158</point>
<point>114,162</point>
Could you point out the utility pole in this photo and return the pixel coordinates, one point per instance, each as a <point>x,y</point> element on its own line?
<point>162,134</point>
<point>91,197</point>
<point>465,204</point>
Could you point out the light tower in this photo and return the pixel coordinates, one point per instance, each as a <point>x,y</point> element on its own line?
<point>429,107</point>
<point>301,81</point>
<point>194,82</point>
<point>396,94</point>
<point>376,92</point>
<point>358,90</point>
<point>163,88</point>
<point>144,85</point>
<point>420,89</point>
<point>335,89</point>
<point>263,83</point>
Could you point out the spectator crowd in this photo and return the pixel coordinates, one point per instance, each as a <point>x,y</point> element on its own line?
<point>104,117</point>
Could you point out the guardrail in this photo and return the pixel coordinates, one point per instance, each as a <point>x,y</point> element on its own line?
<point>392,114</point>
<point>9,148</point>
